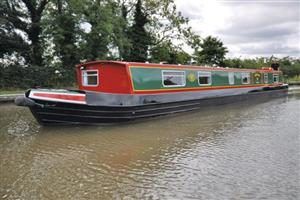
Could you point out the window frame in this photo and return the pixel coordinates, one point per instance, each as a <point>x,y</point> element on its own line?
<point>182,75</point>
<point>248,75</point>
<point>83,76</point>
<point>266,78</point>
<point>204,72</point>
<point>233,76</point>
<point>277,79</point>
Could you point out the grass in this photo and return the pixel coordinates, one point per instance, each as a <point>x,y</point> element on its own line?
<point>11,91</point>
<point>4,91</point>
<point>295,79</point>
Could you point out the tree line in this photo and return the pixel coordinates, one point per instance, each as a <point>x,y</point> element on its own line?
<point>42,40</point>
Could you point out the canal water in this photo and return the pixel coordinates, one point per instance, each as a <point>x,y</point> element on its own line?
<point>248,150</point>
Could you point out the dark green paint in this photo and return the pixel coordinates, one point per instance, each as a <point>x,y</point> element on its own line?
<point>237,78</point>
<point>151,78</point>
<point>280,78</point>
<point>270,76</point>
<point>219,78</point>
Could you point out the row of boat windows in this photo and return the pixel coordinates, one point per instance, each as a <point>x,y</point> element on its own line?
<point>172,78</point>
<point>178,78</point>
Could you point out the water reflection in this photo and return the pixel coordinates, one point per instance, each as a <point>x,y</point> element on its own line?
<point>244,150</point>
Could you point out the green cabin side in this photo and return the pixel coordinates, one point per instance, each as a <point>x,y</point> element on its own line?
<point>152,78</point>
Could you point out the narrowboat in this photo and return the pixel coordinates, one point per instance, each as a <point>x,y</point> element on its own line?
<point>112,92</point>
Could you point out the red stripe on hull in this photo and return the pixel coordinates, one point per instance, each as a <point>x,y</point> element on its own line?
<point>61,96</point>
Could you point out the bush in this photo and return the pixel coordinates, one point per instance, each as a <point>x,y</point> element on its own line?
<point>23,77</point>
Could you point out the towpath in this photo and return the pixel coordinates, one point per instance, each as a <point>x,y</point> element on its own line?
<point>4,98</point>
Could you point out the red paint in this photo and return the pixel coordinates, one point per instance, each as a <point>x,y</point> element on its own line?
<point>61,96</point>
<point>113,77</point>
<point>129,79</point>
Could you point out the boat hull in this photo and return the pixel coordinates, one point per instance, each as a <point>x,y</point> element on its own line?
<point>49,112</point>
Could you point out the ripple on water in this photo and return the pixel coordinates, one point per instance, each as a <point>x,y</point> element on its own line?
<point>21,127</point>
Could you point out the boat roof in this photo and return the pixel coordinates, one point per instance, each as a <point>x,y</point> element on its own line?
<point>176,66</point>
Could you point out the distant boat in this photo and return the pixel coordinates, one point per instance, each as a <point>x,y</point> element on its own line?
<point>113,92</point>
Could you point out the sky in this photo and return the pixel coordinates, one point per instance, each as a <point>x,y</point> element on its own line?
<point>247,28</point>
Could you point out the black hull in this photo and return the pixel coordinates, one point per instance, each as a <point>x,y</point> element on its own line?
<point>69,113</point>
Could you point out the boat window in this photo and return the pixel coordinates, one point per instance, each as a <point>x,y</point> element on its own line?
<point>172,78</point>
<point>89,77</point>
<point>246,78</point>
<point>204,78</point>
<point>275,78</point>
<point>266,77</point>
<point>231,78</point>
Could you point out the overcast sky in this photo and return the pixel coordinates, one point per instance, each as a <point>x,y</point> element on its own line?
<point>248,28</point>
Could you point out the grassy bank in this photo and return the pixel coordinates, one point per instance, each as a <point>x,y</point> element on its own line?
<point>293,80</point>
<point>12,91</point>
<point>4,91</point>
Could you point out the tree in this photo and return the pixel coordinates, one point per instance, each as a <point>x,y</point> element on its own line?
<point>166,24</point>
<point>120,33</point>
<point>138,36</point>
<point>163,25</point>
<point>290,67</point>
<point>210,52</point>
<point>98,14</point>
<point>16,19</point>
<point>39,36</point>
<point>167,52</point>
<point>62,29</point>
<point>21,42</point>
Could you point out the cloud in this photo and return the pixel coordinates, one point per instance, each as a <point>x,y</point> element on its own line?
<point>248,28</point>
